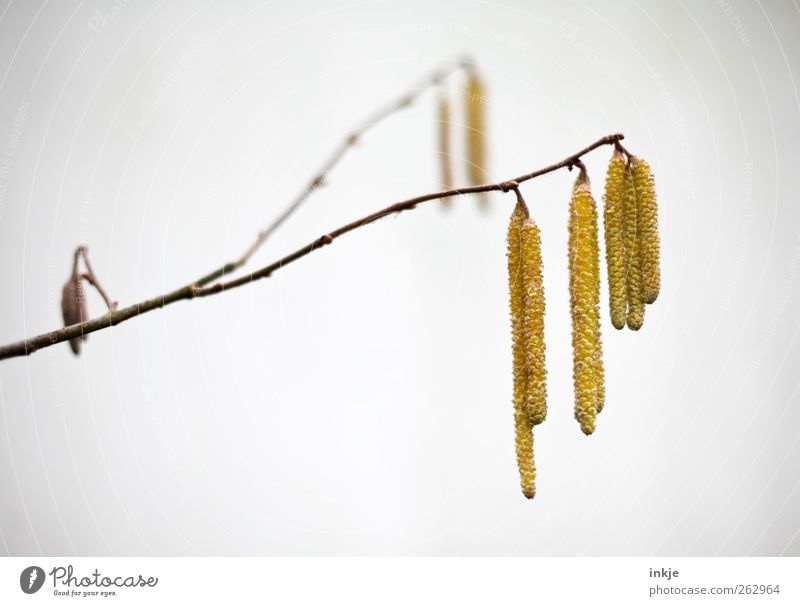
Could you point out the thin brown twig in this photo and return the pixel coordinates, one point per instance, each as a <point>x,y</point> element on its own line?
<point>349,141</point>
<point>112,318</point>
<point>92,279</point>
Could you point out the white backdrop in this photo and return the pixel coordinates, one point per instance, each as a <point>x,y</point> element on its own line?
<point>358,402</point>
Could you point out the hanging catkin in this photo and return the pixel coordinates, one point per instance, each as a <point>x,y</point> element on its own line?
<point>533,323</point>
<point>647,228</point>
<point>526,296</point>
<point>523,439</point>
<point>516,296</point>
<point>633,275</point>
<point>584,285</point>
<point>475,136</point>
<point>523,428</point>
<point>444,145</point>
<point>614,221</point>
<point>599,368</point>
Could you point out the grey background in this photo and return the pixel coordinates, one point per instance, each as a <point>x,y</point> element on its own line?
<point>359,402</point>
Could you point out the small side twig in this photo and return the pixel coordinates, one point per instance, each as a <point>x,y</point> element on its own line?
<point>350,140</point>
<point>92,279</point>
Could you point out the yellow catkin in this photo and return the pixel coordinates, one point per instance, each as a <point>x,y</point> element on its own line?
<point>526,295</point>
<point>517,304</point>
<point>647,228</point>
<point>633,274</point>
<point>523,427</point>
<point>614,221</point>
<point>533,323</point>
<point>599,368</point>
<point>523,439</point>
<point>476,136</point>
<point>443,115</point>
<point>584,282</point>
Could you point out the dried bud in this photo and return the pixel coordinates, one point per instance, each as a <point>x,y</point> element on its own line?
<point>584,284</point>
<point>614,220</point>
<point>647,228</point>
<point>73,308</point>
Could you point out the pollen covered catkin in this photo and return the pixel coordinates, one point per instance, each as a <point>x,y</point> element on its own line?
<point>614,221</point>
<point>523,426</point>
<point>633,261</point>
<point>599,369</point>
<point>584,285</point>
<point>523,440</point>
<point>443,115</point>
<point>517,303</point>
<point>533,323</point>
<point>475,136</point>
<point>647,229</point>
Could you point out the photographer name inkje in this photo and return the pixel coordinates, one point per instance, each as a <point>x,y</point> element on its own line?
<point>66,578</point>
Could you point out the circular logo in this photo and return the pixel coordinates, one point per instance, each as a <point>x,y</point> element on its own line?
<point>31,579</point>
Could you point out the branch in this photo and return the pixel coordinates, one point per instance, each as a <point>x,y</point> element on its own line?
<point>350,140</point>
<point>112,318</point>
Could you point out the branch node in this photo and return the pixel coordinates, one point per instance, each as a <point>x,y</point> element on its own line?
<point>327,239</point>
<point>507,186</point>
<point>576,163</point>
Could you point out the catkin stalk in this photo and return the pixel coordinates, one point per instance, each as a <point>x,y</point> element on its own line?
<point>633,275</point>
<point>533,323</point>
<point>584,285</point>
<point>647,228</point>
<point>444,146</point>
<point>614,221</point>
